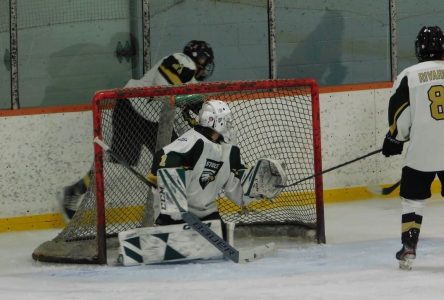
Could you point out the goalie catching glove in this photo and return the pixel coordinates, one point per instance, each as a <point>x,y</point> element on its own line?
<point>262,179</point>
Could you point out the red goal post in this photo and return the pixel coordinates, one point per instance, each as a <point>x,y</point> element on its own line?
<point>277,119</point>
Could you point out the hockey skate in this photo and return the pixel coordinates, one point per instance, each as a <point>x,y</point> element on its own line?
<point>408,251</point>
<point>406,256</point>
<point>69,199</point>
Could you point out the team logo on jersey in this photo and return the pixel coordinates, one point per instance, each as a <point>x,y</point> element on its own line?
<point>209,173</point>
<point>178,68</point>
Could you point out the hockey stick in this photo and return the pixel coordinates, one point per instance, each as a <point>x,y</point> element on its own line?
<point>330,169</point>
<point>237,256</point>
<point>375,189</point>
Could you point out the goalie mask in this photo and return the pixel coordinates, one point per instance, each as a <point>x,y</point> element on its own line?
<point>216,114</point>
<point>202,55</point>
<point>429,44</point>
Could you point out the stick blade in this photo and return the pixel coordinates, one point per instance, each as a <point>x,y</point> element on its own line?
<point>249,255</point>
<point>383,191</point>
<point>374,189</point>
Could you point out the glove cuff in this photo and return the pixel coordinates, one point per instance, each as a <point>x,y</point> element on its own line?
<point>393,140</point>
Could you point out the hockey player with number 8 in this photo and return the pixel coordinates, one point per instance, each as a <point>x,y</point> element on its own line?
<point>416,114</point>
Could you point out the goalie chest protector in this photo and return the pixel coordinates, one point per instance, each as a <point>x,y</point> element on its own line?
<point>208,173</point>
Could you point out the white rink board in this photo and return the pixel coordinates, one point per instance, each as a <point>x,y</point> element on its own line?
<point>40,154</point>
<point>43,153</point>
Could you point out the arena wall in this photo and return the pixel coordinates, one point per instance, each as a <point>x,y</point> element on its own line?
<point>44,150</point>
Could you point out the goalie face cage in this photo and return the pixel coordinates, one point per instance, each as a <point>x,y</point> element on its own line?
<point>278,119</point>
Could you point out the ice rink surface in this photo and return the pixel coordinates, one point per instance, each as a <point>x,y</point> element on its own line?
<point>357,262</point>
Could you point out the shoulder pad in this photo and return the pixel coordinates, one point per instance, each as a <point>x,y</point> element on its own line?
<point>177,69</point>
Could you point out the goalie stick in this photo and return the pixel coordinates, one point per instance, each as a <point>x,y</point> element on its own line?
<point>235,255</point>
<point>331,169</point>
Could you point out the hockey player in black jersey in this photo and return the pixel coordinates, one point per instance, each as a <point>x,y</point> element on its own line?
<point>131,128</point>
<point>416,114</point>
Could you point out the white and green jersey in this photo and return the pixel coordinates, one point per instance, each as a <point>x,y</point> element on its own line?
<point>211,167</point>
<point>416,113</point>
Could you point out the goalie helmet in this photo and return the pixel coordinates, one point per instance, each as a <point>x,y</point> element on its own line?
<point>429,44</point>
<point>202,55</point>
<point>216,114</point>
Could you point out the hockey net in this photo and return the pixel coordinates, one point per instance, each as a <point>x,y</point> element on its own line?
<point>276,119</point>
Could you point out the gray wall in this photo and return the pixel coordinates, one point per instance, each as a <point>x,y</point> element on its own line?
<point>5,81</point>
<point>412,15</point>
<point>335,42</point>
<point>67,48</point>
<point>237,31</point>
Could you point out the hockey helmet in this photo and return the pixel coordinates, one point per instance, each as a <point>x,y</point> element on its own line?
<point>429,44</point>
<point>202,55</point>
<point>216,114</point>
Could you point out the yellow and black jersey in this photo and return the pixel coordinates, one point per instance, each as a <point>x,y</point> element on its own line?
<point>416,113</point>
<point>173,69</point>
<point>177,69</point>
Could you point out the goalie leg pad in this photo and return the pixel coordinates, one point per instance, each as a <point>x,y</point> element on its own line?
<point>171,189</point>
<point>166,244</point>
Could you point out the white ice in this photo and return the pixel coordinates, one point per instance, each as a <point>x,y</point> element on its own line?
<point>357,262</point>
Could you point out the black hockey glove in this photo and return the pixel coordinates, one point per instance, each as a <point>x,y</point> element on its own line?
<point>391,146</point>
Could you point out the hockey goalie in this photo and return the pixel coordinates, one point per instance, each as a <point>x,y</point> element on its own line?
<point>188,175</point>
